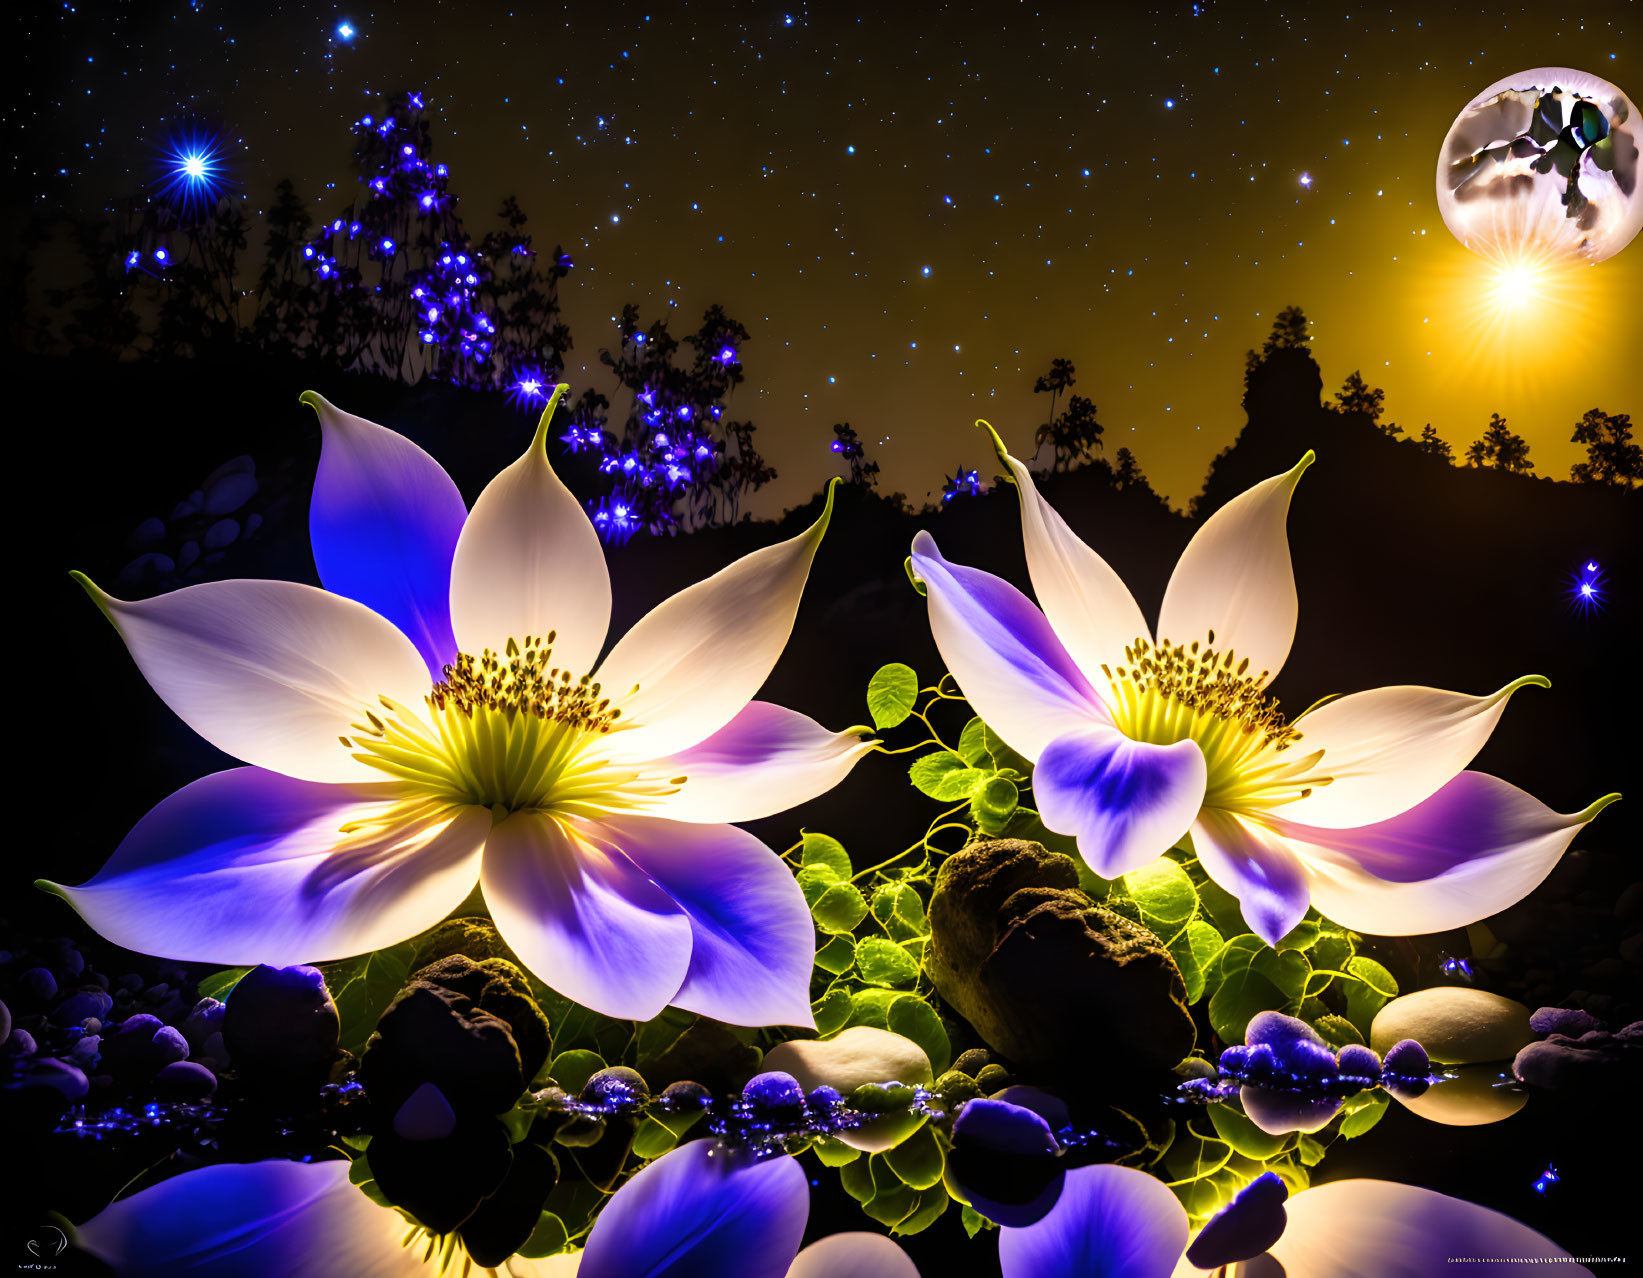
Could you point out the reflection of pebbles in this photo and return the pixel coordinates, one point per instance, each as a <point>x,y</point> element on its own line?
<point>1279,1112</point>
<point>1474,1096</point>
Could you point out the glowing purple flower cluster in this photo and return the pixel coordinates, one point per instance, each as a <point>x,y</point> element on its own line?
<point>402,246</point>
<point>961,483</point>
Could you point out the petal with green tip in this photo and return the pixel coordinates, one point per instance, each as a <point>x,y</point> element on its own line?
<point>1388,749</point>
<point>699,657</point>
<point>1091,610</point>
<point>529,563</point>
<point>1235,578</point>
<point>271,672</point>
<point>1475,847</point>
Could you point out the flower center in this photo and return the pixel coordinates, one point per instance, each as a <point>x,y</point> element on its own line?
<point>506,732</point>
<point>1179,692</point>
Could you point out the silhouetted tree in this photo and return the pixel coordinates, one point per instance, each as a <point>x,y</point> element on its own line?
<point>1127,473</point>
<point>1500,448</point>
<point>1358,396</point>
<point>1434,443</point>
<point>850,449</point>
<point>1075,436</point>
<point>1611,455</point>
<point>1289,331</point>
<point>678,462</point>
<point>1278,377</point>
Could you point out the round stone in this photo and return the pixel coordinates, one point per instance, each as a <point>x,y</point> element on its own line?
<point>1476,1096</point>
<point>858,1057</point>
<point>1456,1025</point>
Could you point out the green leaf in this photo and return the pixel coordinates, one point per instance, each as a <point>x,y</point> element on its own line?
<point>944,776</point>
<point>900,911</point>
<point>872,1007</point>
<point>549,1238</point>
<point>838,956</point>
<point>1164,895</point>
<point>913,1018</point>
<point>1243,991</point>
<point>218,984</point>
<point>833,1152</point>
<point>1371,989</point>
<point>1193,949</point>
<point>974,1221</point>
<point>993,804</point>
<point>1222,908</point>
<point>1243,1135</point>
<point>1362,1119</point>
<point>856,1178</point>
<point>1303,936</point>
<point>1337,1031</point>
<point>972,745</point>
<point>1332,951</point>
<point>1288,970</point>
<point>823,849</point>
<point>891,694</point>
<point>653,1139</point>
<point>1311,1150</point>
<point>832,1012</point>
<point>839,907</point>
<point>883,962</point>
<point>918,1160</point>
<point>364,994</point>
<point>1373,975</point>
<point>571,1070</point>
<point>816,879</point>
<point>932,1202</point>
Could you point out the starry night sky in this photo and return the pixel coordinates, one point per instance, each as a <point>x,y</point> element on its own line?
<point>915,207</point>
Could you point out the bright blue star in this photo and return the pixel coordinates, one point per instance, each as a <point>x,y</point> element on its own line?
<point>194,173</point>
<point>1588,588</point>
<point>345,31</point>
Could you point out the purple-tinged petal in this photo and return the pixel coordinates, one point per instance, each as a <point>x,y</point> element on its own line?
<point>272,1219</point>
<point>1388,749</point>
<point>998,1126</point>
<point>529,562</point>
<point>1090,608</point>
<point>1047,1105</point>
<point>585,919</point>
<point>1257,867</point>
<point>272,672</point>
<point>1245,1227</point>
<point>1110,1222</point>
<point>248,866</point>
<point>765,760</point>
<point>1004,655</point>
<point>1004,1159</point>
<point>753,944</point>
<point>1128,802</point>
<point>384,523</point>
<point>1235,578</point>
<point>1380,1229</point>
<point>853,1255</point>
<point>1475,847</point>
<point>702,1211</point>
<point>692,663</point>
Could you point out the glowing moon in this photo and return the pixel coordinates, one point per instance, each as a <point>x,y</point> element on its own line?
<point>1542,167</point>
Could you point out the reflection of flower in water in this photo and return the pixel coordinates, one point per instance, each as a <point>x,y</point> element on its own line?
<point>1140,737</point>
<point>424,724</point>
<point>697,1210</point>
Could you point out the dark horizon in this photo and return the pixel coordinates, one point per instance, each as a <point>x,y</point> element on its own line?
<point>798,169</point>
